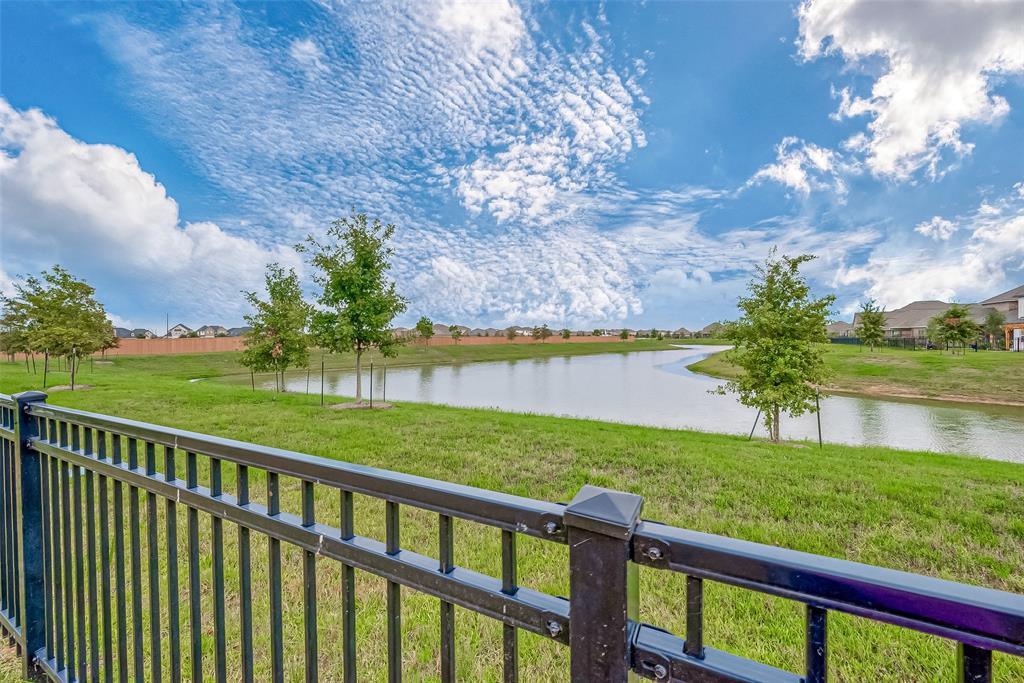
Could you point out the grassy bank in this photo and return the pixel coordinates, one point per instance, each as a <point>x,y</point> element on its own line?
<point>984,376</point>
<point>952,517</point>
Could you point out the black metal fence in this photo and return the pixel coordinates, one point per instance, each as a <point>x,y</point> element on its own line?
<point>71,590</point>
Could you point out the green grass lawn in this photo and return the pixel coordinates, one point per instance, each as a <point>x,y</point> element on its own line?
<point>976,376</point>
<point>953,517</point>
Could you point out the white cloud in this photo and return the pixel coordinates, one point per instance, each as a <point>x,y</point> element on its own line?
<point>92,206</point>
<point>941,62</point>
<point>307,54</point>
<point>803,166</point>
<point>967,269</point>
<point>496,26</point>
<point>939,228</point>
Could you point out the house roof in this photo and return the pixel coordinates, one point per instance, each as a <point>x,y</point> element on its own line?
<point>238,331</point>
<point>682,330</point>
<point>181,325</point>
<point>839,326</point>
<point>1009,295</point>
<point>211,327</point>
<point>122,332</point>
<point>916,314</point>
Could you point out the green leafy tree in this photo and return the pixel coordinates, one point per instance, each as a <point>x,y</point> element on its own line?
<point>456,333</point>
<point>955,328</point>
<point>872,324</point>
<point>541,333</point>
<point>778,342</point>
<point>359,300</point>
<point>510,333</point>
<point>425,329</point>
<point>993,327</point>
<point>624,334</point>
<point>598,332</point>
<point>277,339</point>
<point>60,316</point>
<point>566,333</point>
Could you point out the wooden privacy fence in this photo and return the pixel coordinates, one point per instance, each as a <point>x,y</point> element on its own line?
<point>71,592</point>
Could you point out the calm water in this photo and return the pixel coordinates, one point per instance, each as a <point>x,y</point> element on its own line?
<point>656,388</point>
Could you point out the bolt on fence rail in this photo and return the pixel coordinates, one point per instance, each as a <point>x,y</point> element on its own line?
<point>71,580</point>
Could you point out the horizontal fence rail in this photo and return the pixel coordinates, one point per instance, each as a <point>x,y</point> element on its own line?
<point>96,510</point>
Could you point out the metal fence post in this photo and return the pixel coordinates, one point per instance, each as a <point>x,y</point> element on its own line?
<point>29,530</point>
<point>603,587</point>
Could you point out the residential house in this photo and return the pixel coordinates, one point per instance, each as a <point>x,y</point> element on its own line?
<point>142,333</point>
<point>122,333</point>
<point>911,321</point>
<point>239,331</point>
<point>178,331</point>
<point>682,333</point>
<point>208,331</point>
<point>710,331</point>
<point>441,330</point>
<point>840,329</point>
<point>1011,305</point>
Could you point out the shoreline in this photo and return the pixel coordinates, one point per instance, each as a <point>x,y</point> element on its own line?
<point>882,391</point>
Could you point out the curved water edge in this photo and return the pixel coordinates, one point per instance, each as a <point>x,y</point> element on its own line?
<point>657,388</point>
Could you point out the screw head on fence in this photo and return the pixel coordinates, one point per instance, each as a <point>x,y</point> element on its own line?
<point>554,628</point>
<point>660,671</point>
<point>550,528</point>
<point>654,552</point>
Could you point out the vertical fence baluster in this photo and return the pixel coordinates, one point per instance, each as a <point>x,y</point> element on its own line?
<point>55,553</point>
<point>817,644</point>
<point>510,635</point>
<point>274,555</point>
<point>79,557</point>
<point>394,598</point>
<point>173,621</point>
<point>309,584</point>
<point>44,480</point>
<point>69,581</point>
<point>446,552</point>
<point>348,592</point>
<point>134,522</point>
<point>5,588</point>
<point>119,565</point>
<point>90,527</point>
<point>154,568</point>
<point>108,636</point>
<point>245,578</point>
<point>6,535</point>
<point>220,637</point>
<point>973,664</point>
<point>194,595</point>
<point>694,643</point>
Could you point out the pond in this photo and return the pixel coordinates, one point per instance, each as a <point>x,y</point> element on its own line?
<point>656,388</point>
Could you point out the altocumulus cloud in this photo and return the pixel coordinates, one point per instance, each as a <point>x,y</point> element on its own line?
<point>71,202</point>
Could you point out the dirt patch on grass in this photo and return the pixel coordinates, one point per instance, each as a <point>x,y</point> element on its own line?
<point>363,405</point>
<point>67,387</point>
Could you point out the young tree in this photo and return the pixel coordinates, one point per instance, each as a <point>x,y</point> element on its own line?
<point>872,324</point>
<point>510,333</point>
<point>624,334</point>
<point>778,341</point>
<point>566,333</point>
<point>425,328</point>
<point>993,327</point>
<point>955,327</point>
<point>277,338</point>
<point>598,332</point>
<point>359,300</point>
<point>60,316</point>
<point>456,332</point>
<point>541,333</point>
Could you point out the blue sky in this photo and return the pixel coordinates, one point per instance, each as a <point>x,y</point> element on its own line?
<point>570,163</point>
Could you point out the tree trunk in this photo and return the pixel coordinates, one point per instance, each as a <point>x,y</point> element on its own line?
<point>775,424</point>
<point>359,374</point>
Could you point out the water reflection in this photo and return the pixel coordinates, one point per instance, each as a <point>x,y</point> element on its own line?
<point>657,388</point>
